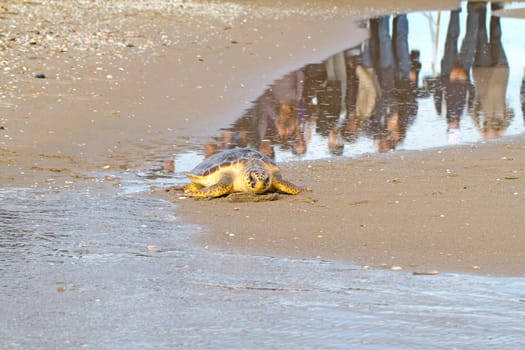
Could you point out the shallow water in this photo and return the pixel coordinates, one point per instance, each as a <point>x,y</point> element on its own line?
<point>326,121</point>
<point>94,270</point>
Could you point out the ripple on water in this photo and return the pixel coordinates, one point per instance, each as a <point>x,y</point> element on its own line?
<point>120,271</point>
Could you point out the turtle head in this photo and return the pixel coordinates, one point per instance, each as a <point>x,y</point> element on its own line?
<point>257,180</point>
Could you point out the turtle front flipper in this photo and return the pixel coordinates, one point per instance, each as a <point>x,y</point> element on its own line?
<point>191,187</point>
<point>224,186</point>
<point>285,186</point>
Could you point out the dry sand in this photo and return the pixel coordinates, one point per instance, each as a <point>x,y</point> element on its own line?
<point>124,81</point>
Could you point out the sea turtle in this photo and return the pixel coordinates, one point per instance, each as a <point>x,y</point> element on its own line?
<point>237,170</point>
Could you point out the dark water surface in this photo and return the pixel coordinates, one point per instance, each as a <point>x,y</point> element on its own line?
<point>91,269</point>
<point>98,271</point>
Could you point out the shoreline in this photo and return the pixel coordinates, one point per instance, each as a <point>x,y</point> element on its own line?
<point>133,96</point>
<point>116,95</point>
<point>381,215</point>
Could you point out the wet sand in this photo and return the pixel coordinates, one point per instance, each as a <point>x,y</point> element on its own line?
<point>122,90</point>
<point>446,210</point>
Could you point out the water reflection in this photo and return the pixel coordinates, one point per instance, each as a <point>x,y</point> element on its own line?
<point>371,98</point>
<point>486,58</point>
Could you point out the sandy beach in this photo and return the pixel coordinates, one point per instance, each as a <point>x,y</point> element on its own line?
<point>445,210</point>
<point>82,97</point>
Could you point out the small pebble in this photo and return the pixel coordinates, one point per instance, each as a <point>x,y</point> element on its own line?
<point>425,273</point>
